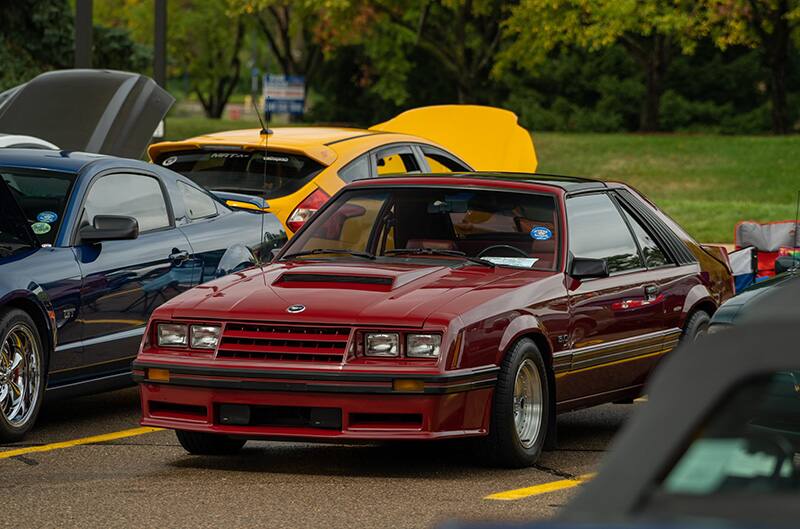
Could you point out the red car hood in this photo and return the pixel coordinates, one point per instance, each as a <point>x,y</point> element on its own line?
<point>403,295</point>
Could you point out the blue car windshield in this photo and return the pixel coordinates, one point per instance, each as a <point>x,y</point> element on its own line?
<point>42,197</point>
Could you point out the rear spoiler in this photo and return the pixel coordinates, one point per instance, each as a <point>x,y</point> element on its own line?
<point>241,201</point>
<point>487,138</point>
<point>719,253</point>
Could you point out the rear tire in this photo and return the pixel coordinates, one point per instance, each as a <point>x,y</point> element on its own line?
<point>520,416</point>
<point>696,327</point>
<point>22,374</point>
<point>208,444</point>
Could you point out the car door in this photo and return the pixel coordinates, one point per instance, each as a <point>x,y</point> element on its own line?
<point>617,322</point>
<point>221,241</point>
<point>123,281</point>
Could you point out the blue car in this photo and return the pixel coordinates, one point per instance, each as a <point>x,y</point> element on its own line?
<point>89,246</point>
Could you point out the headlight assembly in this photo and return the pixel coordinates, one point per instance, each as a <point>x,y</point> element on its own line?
<point>193,336</point>
<point>205,336</point>
<point>423,345</point>
<point>382,344</point>
<point>172,335</point>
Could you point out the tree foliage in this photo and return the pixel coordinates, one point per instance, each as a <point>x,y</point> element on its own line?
<point>204,41</point>
<point>770,26</point>
<point>651,31</point>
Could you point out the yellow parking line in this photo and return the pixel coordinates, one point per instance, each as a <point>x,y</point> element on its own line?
<point>76,442</point>
<point>544,488</point>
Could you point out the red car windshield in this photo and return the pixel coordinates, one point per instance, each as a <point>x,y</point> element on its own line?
<point>499,227</point>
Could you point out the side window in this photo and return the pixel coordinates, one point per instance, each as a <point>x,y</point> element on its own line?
<point>653,255</point>
<point>396,160</point>
<point>597,230</point>
<point>441,162</point>
<point>198,204</point>
<point>358,168</point>
<point>131,195</point>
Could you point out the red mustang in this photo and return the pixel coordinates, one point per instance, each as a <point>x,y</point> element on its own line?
<point>432,307</point>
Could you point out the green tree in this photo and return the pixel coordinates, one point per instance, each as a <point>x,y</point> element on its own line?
<point>651,31</point>
<point>462,37</point>
<point>771,26</point>
<point>204,43</point>
<point>291,31</point>
<point>34,36</point>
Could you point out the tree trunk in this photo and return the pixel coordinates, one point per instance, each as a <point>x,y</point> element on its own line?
<point>780,106</point>
<point>653,54</point>
<point>651,106</point>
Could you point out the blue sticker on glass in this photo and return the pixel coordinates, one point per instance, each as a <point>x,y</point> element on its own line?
<point>47,216</point>
<point>540,233</point>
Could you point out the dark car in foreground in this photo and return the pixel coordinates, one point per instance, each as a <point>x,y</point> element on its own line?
<point>432,307</point>
<point>761,302</point>
<point>716,445</point>
<point>89,246</point>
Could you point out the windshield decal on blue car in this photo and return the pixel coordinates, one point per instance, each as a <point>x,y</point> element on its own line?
<point>47,216</point>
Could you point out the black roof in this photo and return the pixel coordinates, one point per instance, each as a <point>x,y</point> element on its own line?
<point>567,183</point>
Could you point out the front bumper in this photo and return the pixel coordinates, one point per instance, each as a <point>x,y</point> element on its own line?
<point>300,404</point>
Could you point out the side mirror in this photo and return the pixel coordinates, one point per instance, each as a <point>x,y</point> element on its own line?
<point>785,263</point>
<point>110,228</point>
<point>588,268</point>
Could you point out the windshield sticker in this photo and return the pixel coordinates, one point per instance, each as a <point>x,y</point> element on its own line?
<point>169,161</point>
<point>40,228</point>
<point>47,216</point>
<point>521,262</point>
<point>540,233</point>
<point>281,159</point>
<point>229,155</point>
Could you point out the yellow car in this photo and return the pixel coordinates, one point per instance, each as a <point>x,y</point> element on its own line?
<point>305,166</point>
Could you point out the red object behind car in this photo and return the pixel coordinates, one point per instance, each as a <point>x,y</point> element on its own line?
<point>429,307</point>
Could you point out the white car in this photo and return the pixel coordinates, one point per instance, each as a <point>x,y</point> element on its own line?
<point>21,141</point>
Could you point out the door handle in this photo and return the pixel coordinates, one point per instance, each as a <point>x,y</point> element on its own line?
<point>652,295</point>
<point>178,256</point>
<point>651,292</point>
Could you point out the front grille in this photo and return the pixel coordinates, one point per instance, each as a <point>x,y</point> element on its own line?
<point>288,343</point>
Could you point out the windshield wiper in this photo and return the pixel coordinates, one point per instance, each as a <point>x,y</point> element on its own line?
<point>439,251</point>
<point>335,251</point>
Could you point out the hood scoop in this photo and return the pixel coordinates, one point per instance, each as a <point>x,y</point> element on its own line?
<point>318,280</point>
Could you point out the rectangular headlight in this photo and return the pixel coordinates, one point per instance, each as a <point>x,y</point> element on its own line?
<point>205,336</point>
<point>382,344</point>
<point>423,345</point>
<point>172,335</point>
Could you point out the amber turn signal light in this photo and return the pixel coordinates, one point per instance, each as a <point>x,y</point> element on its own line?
<point>161,375</point>
<point>408,385</point>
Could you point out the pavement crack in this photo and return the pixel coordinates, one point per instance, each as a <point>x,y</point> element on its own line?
<point>555,472</point>
<point>27,460</point>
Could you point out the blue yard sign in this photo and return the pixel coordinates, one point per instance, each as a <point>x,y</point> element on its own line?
<point>284,94</point>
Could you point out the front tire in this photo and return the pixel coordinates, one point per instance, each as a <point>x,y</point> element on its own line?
<point>209,444</point>
<point>22,374</point>
<point>520,409</point>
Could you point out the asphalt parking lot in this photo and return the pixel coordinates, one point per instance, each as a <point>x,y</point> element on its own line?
<point>77,469</point>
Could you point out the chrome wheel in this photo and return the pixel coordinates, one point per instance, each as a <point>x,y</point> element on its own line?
<point>528,402</point>
<point>19,375</point>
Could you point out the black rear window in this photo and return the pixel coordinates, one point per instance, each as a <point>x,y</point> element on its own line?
<point>42,197</point>
<point>243,171</point>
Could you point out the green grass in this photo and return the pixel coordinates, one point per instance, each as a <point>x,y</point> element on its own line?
<point>706,182</point>
<point>182,128</point>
